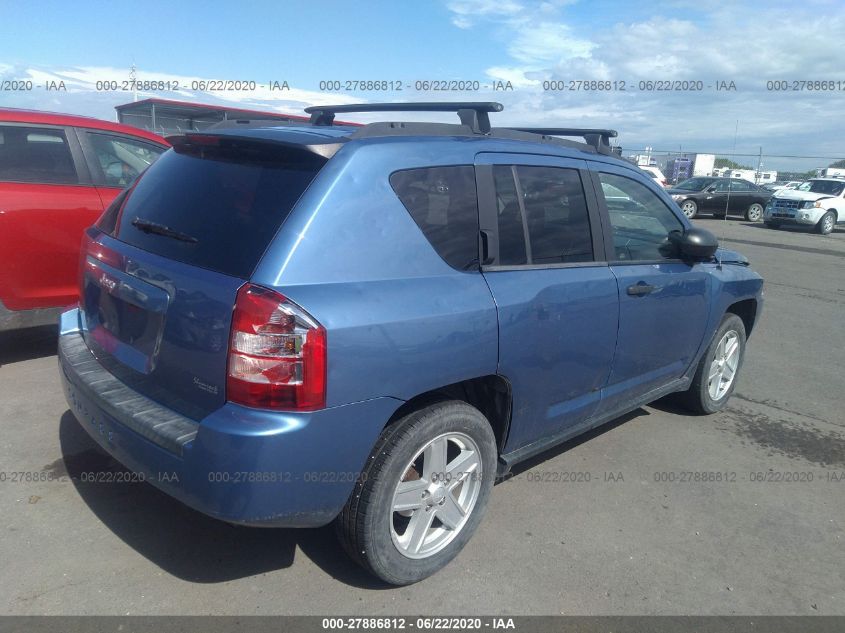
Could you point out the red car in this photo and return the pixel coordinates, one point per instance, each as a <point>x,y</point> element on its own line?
<point>57,174</point>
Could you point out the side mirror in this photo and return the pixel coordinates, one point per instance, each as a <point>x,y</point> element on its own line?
<point>694,243</point>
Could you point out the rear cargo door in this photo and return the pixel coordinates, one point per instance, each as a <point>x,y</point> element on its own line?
<point>161,273</point>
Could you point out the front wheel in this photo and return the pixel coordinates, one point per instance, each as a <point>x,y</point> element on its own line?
<point>422,493</point>
<point>754,212</point>
<point>690,208</point>
<point>715,377</point>
<point>826,224</point>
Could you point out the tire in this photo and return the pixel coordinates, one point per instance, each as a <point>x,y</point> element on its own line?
<point>689,208</point>
<point>826,224</point>
<point>754,213</point>
<point>700,397</point>
<point>377,536</point>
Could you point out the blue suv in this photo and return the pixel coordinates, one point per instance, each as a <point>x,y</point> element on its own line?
<point>293,325</point>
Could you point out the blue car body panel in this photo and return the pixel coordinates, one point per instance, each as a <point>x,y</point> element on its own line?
<point>400,322</point>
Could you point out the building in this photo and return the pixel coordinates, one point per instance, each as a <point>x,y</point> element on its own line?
<point>166,116</point>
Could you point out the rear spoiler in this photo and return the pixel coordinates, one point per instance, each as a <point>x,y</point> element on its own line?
<point>294,141</point>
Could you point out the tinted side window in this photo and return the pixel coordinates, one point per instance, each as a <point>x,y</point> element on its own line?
<point>511,224</point>
<point>31,154</point>
<point>641,221</point>
<point>120,159</point>
<point>549,204</point>
<point>443,203</point>
<point>556,215</point>
<point>742,185</point>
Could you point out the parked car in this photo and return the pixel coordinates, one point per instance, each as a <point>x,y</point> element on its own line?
<point>818,203</point>
<point>720,196</point>
<point>655,173</point>
<point>782,184</point>
<point>296,325</point>
<point>57,174</point>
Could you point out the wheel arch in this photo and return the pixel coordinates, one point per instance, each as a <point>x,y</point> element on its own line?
<point>745,310</point>
<point>491,394</point>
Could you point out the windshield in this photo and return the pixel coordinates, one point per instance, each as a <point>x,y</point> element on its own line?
<point>694,184</point>
<point>822,186</point>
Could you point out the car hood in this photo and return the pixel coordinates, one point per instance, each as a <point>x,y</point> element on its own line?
<point>794,194</point>
<point>727,256</point>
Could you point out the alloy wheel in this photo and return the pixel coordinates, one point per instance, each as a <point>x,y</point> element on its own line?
<point>724,366</point>
<point>436,495</point>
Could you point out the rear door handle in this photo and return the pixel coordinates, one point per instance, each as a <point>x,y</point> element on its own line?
<point>640,289</point>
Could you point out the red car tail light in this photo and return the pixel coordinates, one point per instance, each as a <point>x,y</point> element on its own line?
<point>277,353</point>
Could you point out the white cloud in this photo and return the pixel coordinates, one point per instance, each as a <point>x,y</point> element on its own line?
<point>468,12</point>
<point>731,43</point>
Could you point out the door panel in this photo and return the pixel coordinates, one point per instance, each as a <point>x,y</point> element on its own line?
<point>659,332</point>
<point>663,301</point>
<point>557,306</point>
<point>40,233</point>
<point>557,334</point>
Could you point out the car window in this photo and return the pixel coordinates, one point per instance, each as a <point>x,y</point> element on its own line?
<point>694,184</point>
<point>120,159</point>
<point>42,155</point>
<point>742,185</point>
<point>828,187</point>
<point>641,221</point>
<point>216,196</point>
<point>512,244</point>
<point>722,186</point>
<point>547,204</point>
<point>556,215</point>
<point>443,203</point>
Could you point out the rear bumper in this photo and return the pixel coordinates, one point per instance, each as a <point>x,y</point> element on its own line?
<point>238,464</point>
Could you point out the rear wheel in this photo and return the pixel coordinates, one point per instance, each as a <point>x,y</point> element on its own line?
<point>422,494</point>
<point>754,212</point>
<point>690,208</point>
<point>826,224</point>
<point>715,377</point>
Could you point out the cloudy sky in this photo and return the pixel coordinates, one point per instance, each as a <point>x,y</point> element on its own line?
<point>525,43</point>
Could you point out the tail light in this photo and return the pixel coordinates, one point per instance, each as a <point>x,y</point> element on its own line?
<point>97,252</point>
<point>277,353</point>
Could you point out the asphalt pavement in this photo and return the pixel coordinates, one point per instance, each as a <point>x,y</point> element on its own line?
<point>741,512</point>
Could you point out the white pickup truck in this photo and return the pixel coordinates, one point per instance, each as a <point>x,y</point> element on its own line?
<point>817,203</point>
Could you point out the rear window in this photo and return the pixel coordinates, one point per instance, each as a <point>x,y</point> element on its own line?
<point>221,205</point>
<point>443,203</point>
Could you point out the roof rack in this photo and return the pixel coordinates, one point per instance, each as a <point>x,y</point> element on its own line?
<point>473,114</point>
<point>598,138</point>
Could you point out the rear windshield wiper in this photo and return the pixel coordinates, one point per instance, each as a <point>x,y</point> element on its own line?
<point>160,229</point>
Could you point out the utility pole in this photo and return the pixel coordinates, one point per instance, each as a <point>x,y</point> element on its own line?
<point>728,200</point>
<point>759,167</point>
